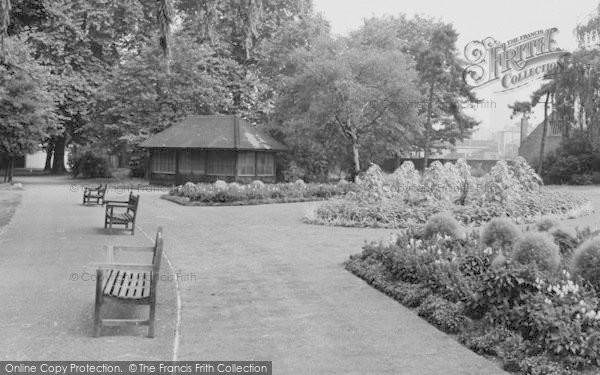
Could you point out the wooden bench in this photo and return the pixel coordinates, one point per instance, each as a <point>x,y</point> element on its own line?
<point>129,283</point>
<point>121,213</point>
<point>94,194</point>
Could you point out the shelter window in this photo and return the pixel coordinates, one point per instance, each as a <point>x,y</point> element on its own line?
<point>192,161</point>
<point>221,163</point>
<point>265,164</point>
<point>163,161</point>
<point>246,163</point>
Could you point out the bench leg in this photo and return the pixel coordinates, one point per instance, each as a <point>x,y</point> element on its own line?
<point>132,229</point>
<point>151,320</point>
<point>98,304</point>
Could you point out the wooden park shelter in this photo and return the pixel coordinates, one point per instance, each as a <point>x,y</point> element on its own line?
<point>210,148</point>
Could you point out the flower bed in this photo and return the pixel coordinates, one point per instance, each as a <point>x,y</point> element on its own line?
<point>525,298</point>
<point>406,198</point>
<point>222,193</point>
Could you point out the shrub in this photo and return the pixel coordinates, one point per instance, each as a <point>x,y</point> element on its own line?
<point>500,233</point>
<point>371,182</point>
<point>488,343</point>
<point>445,315</point>
<point>440,181</point>
<point>574,162</point>
<point>537,248</point>
<point>500,291</point>
<point>293,172</point>
<point>465,182</point>
<point>541,365</point>
<point>221,185</point>
<point>299,184</point>
<point>546,223</point>
<point>500,184</point>
<point>499,261</point>
<point>88,165</point>
<point>137,166</point>
<point>189,188</point>
<point>512,351</point>
<point>586,261</point>
<point>472,265</point>
<point>415,296</point>
<point>525,175</point>
<point>258,184</point>
<point>442,224</point>
<point>405,179</point>
<point>565,239</point>
<point>582,179</point>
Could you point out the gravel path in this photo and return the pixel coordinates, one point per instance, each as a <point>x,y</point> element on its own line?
<point>255,284</point>
<point>47,295</point>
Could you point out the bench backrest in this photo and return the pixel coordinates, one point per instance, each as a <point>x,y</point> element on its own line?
<point>102,189</point>
<point>157,257</point>
<point>134,200</point>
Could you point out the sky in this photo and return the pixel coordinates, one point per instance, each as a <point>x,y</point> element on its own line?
<point>475,20</point>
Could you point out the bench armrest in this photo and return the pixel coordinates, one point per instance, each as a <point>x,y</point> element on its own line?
<point>110,251</point>
<point>123,266</point>
<point>133,248</point>
<point>116,203</point>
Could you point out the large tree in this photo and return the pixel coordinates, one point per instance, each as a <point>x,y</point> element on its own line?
<point>256,34</point>
<point>431,44</point>
<point>79,41</point>
<point>143,98</point>
<point>26,107</point>
<point>363,98</point>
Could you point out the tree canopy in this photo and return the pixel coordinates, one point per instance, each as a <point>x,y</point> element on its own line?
<point>117,72</point>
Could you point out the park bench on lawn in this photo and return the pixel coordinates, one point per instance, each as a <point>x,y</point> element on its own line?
<point>128,283</point>
<point>94,194</point>
<point>121,213</point>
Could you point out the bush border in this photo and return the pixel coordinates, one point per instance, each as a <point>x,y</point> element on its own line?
<point>184,201</point>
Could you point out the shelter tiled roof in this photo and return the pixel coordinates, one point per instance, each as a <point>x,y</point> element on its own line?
<point>214,132</point>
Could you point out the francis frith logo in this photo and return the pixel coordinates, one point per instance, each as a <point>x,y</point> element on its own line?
<point>514,63</point>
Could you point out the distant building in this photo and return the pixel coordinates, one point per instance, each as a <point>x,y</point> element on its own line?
<point>508,140</point>
<point>530,147</point>
<point>591,37</point>
<point>32,162</point>
<point>473,149</point>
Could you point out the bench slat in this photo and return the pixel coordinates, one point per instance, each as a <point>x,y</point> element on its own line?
<point>138,288</point>
<point>109,282</point>
<point>118,283</point>
<point>125,285</point>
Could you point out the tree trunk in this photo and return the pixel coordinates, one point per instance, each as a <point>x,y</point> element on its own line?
<point>11,168</point>
<point>544,133</point>
<point>58,164</point>
<point>49,152</point>
<point>356,159</point>
<point>428,127</point>
<point>5,165</point>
